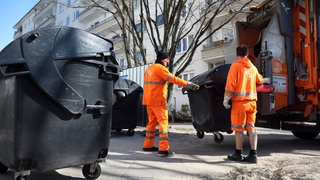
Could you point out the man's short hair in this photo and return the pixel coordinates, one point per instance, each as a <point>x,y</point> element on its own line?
<point>242,50</point>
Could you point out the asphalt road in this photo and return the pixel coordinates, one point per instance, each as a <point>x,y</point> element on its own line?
<point>196,158</point>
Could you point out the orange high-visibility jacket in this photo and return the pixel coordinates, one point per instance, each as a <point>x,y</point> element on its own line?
<point>242,79</point>
<point>155,84</point>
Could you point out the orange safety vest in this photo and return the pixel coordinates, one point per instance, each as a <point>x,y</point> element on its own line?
<point>156,77</point>
<point>242,79</point>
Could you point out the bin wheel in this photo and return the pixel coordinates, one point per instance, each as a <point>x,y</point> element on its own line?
<point>200,134</point>
<point>218,138</point>
<point>22,177</point>
<point>3,168</point>
<point>91,175</point>
<point>130,132</point>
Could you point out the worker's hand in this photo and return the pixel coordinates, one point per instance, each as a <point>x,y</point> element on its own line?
<point>226,102</point>
<point>266,80</point>
<point>192,86</point>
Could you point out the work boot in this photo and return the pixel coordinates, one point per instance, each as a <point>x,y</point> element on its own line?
<point>165,153</point>
<point>235,157</point>
<point>251,158</point>
<point>150,149</point>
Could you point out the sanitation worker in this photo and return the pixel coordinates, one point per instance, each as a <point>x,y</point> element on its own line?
<point>156,77</point>
<point>241,89</point>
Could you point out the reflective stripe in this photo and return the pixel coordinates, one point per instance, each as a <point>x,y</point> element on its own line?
<point>237,127</point>
<point>163,139</point>
<point>151,132</point>
<point>163,132</point>
<point>169,77</point>
<point>155,82</point>
<point>250,124</point>
<point>241,93</point>
<point>228,92</point>
<point>245,94</point>
<point>149,137</point>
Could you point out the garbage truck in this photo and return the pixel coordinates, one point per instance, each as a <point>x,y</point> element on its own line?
<point>283,41</point>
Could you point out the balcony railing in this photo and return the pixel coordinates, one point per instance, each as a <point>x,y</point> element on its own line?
<point>217,43</point>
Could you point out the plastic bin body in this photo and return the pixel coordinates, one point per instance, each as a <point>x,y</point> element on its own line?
<point>128,110</point>
<point>56,100</point>
<point>207,111</point>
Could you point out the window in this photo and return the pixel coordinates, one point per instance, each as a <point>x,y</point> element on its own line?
<point>60,9</point>
<point>184,44</point>
<point>139,56</point>
<point>160,20</point>
<point>68,21</point>
<point>69,3</point>
<point>121,63</point>
<point>76,15</point>
<point>185,10</point>
<point>186,77</point>
<point>138,27</point>
<point>137,3</point>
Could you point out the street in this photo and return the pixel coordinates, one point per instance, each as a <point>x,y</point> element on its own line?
<point>280,156</point>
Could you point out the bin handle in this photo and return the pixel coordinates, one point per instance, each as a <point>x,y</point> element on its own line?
<point>209,84</point>
<point>14,69</point>
<point>115,68</point>
<point>98,106</point>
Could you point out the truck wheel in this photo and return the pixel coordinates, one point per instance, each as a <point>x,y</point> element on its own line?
<point>91,175</point>
<point>305,135</point>
<point>200,134</point>
<point>130,132</point>
<point>3,168</point>
<point>217,139</point>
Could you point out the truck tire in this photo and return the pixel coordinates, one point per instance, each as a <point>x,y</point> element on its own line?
<point>305,135</point>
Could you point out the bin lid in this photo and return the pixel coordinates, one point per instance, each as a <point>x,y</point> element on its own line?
<point>127,85</point>
<point>36,53</point>
<point>214,78</point>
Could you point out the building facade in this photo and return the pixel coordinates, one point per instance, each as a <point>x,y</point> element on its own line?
<point>216,50</point>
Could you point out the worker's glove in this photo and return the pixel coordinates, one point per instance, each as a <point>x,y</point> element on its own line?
<point>226,102</point>
<point>266,80</point>
<point>192,86</point>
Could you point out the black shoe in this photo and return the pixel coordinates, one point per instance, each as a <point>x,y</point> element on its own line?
<point>150,149</point>
<point>235,157</point>
<point>165,153</point>
<point>251,158</point>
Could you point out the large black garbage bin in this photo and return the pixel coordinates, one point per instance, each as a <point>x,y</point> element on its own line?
<point>128,111</point>
<point>208,113</point>
<point>56,101</point>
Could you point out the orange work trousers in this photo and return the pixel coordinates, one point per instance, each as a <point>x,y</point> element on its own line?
<point>157,115</point>
<point>243,115</point>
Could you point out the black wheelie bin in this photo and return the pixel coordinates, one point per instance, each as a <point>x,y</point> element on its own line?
<point>207,111</point>
<point>127,110</point>
<point>56,101</point>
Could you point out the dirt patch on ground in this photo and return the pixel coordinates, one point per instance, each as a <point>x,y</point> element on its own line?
<point>281,166</point>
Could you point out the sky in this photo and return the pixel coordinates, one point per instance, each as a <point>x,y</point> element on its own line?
<point>11,11</point>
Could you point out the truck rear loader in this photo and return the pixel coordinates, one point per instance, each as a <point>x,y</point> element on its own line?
<point>283,39</point>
